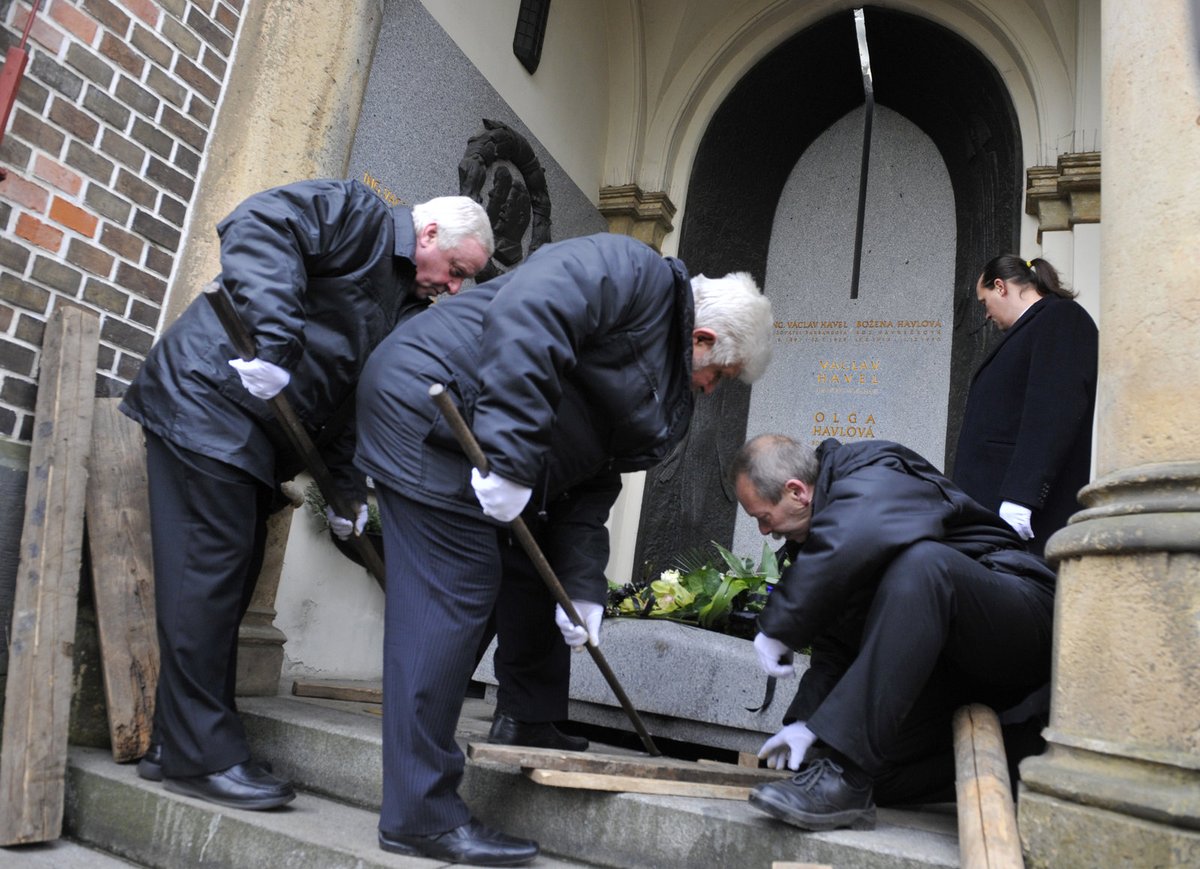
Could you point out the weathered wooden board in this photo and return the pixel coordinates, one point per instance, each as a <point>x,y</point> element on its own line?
<point>633,766</point>
<point>118,522</point>
<point>590,781</point>
<point>987,819</point>
<point>33,759</point>
<point>339,689</point>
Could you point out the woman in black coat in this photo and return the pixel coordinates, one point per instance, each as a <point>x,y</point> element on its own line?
<point>1025,446</point>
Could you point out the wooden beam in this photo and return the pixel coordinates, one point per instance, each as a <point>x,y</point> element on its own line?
<point>339,689</point>
<point>634,766</point>
<point>118,522</point>
<point>33,759</point>
<point>987,819</point>
<point>590,781</point>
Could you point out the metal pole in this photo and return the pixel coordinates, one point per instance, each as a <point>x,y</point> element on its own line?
<point>471,447</point>
<point>864,56</point>
<point>243,343</point>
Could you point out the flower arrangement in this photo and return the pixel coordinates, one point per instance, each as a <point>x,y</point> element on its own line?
<point>725,597</point>
<point>316,504</point>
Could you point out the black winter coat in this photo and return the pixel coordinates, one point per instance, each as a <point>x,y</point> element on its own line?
<point>320,272</point>
<point>1026,435</point>
<point>570,369</point>
<point>872,500</point>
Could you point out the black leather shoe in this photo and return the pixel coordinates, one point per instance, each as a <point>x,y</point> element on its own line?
<point>471,843</point>
<point>150,766</point>
<point>822,796</point>
<point>242,786</point>
<point>509,731</point>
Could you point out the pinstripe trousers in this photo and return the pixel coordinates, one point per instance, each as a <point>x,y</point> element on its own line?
<point>443,576</point>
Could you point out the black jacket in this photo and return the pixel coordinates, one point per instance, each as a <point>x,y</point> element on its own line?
<point>320,272</point>
<point>571,369</point>
<point>1026,435</point>
<point>872,500</point>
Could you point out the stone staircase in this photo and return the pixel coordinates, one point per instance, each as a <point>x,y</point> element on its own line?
<point>331,750</point>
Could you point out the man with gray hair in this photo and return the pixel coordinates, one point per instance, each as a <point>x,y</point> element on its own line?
<point>320,272</point>
<point>914,599</point>
<point>575,367</point>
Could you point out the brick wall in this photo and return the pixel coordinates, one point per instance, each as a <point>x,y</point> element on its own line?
<point>102,153</point>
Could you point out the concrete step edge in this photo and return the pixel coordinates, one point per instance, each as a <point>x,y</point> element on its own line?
<point>338,753</point>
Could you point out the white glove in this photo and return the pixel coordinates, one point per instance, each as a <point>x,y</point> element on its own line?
<point>1018,517</point>
<point>500,498</point>
<point>788,746</point>
<point>262,379</point>
<point>342,527</point>
<point>774,657</point>
<point>574,635</point>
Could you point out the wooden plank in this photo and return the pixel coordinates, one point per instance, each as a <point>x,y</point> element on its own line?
<point>33,759</point>
<point>339,689</point>
<point>589,781</point>
<point>987,820</point>
<point>637,766</point>
<point>118,522</point>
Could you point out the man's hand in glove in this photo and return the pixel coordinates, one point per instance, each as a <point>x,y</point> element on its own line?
<point>262,379</point>
<point>1018,517</point>
<point>788,746</point>
<point>574,635</point>
<point>774,657</point>
<point>342,527</point>
<point>500,498</point>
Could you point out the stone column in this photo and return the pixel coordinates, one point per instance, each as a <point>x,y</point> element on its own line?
<point>1120,782</point>
<point>631,211</point>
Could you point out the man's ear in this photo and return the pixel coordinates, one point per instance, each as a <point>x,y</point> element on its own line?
<point>799,490</point>
<point>703,338</point>
<point>427,235</point>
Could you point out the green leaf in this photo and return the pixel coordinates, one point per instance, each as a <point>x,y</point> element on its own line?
<point>722,602</point>
<point>737,566</point>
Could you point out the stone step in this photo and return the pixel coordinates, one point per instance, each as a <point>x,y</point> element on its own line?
<point>110,808</point>
<point>59,854</point>
<point>333,748</point>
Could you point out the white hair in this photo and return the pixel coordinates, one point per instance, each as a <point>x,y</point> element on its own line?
<point>458,218</point>
<point>740,315</point>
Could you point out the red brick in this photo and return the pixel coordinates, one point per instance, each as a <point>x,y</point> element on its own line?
<point>23,192</point>
<point>57,174</point>
<point>145,10</point>
<point>74,21</point>
<point>41,32</point>
<point>6,316</point>
<point>226,17</point>
<point>89,258</point>
<point>73,217</point>
<point>118,51</point>
<point>108,15</point>
<point>42,234</point>
<point>123,243</point>
<point>79,124</point>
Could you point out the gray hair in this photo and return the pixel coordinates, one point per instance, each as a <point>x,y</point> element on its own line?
<point>458,218</point>
<point>770,460</point>
<point>740,315</point>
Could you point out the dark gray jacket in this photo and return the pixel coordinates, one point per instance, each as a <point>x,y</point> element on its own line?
<point>571,369</point>
<point>320,272</point>
<point>872,500</point>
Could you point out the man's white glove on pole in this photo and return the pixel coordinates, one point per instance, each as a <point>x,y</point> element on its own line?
<point>788,746</point>
<point>500,498</point>
<point>342,527</point>
<point>1018,517</point>
<point>262,379</point>
<point>774,657</point>
<point>574,635</point>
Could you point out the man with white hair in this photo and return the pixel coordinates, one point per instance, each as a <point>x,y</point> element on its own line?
<point>577,366</point>
<point>320,272</point>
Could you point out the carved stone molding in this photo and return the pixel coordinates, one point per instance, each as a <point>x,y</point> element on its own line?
<point>631,211</point>
<point>1064,195</point>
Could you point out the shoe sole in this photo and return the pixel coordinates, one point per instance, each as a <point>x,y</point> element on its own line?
<point>255,805</point>
<point>149,771</point>
<point>393,847</point>
<point>853,819</point>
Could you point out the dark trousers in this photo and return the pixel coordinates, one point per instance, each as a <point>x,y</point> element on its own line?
<point>208,527</point>
<point>941,631</point>
<point>533,664</point>
<point>443,576</point>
